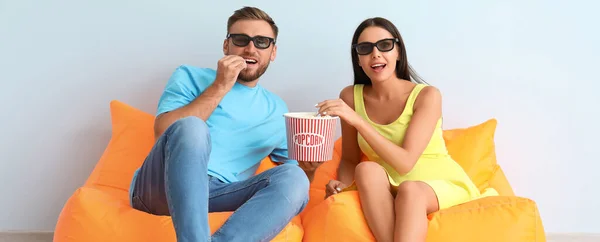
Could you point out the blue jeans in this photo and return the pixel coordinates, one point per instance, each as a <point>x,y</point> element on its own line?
<point>174,181</point>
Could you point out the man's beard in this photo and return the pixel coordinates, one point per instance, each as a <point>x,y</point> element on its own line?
<point>249,77</point>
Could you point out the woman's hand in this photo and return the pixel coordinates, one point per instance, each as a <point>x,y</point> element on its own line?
<point>338,107</point>
<point>334,187</point>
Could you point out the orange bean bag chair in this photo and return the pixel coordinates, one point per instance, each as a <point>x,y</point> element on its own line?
<point>501,218</point>
<point>100,211</point>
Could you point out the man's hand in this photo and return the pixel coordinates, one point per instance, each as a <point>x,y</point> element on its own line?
<point>228,70</point>
<point>309,168</point>
<point>229,67</point>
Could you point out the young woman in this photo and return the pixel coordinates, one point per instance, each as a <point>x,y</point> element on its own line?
<point>394,118</point>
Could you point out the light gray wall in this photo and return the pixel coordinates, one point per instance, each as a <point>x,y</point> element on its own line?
<point>530,64</point>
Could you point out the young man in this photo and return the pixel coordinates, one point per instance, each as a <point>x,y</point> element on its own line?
<point>213,128</point>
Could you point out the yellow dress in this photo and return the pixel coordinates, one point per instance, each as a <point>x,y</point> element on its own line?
<point>435,167</point>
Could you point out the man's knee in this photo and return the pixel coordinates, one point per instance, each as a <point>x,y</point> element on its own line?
<point>190,124</point>
<point>188,129</point>
<point>292,181</point>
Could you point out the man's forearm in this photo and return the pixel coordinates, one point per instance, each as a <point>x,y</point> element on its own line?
<point>202,107</point>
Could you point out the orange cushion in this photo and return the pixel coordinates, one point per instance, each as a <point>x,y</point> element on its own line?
<point>474,149</point>
<point>92,214</point>
<point>131,141</point>
<point>500,183</point>
<point>499,218</point>
<point>339,218</point>
<point>100,210</point>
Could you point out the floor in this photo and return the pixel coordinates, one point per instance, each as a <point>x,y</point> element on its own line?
<point>573,238</point>
<point>26,237</point>
<point>47,237</point>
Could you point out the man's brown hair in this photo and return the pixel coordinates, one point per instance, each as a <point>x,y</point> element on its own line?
<point>251,13</point>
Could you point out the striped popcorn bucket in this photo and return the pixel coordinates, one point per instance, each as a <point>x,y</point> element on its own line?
<point>310,137</point>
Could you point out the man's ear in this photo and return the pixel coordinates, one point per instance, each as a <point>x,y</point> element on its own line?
<point>274,53</point>
<point>225,46</point>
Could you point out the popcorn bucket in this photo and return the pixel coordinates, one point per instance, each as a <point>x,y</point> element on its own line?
<point>310,137</point>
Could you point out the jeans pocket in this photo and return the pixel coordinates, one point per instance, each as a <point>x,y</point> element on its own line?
<point>139,205</point>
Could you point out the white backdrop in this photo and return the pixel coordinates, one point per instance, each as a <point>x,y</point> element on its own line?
<point>530,64</point>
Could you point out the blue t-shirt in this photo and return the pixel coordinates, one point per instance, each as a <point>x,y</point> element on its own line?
<point>246,127</point>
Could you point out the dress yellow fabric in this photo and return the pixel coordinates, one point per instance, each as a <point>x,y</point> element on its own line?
<point>435,167</point>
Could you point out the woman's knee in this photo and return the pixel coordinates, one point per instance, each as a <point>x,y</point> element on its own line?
<point>416,194</point>
<point>410,190</point>
<point>369,173</point>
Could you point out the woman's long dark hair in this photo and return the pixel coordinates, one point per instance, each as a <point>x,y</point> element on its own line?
<point>403,69</point>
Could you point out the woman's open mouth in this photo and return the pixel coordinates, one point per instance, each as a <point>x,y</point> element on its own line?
<point>378,67</point>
